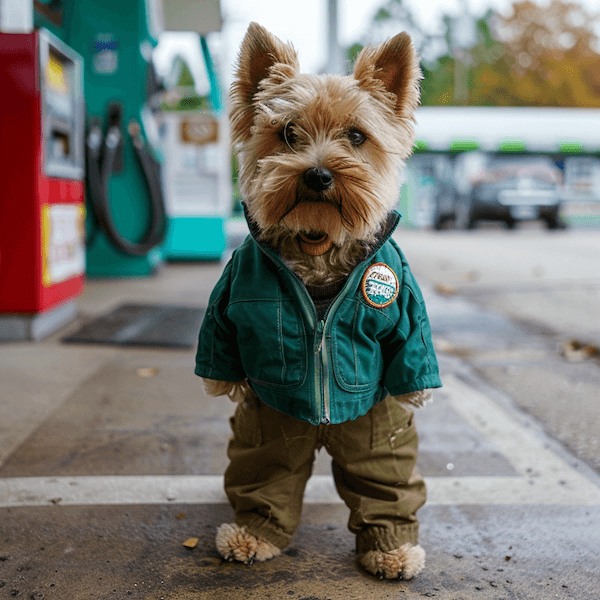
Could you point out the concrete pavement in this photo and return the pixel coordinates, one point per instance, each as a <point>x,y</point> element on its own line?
<point>517,303</point>
<point>110,458</point>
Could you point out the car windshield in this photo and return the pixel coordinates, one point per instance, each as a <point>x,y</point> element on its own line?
<point>529,167</point>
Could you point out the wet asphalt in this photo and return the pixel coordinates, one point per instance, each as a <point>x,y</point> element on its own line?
<point>514,512</point>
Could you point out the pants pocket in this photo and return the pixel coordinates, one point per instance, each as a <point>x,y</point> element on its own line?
<point>391,423</point>
<point>245,423</point>
<point>394,439</point>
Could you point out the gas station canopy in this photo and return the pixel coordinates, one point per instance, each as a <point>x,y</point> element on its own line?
<point>201,16</point>
<point>508,129</point>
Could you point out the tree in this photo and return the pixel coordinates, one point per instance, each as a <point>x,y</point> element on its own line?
<point>535,56</point>
<point>436,49</point>
<point>552,54</point>
<point>182,74</point>
<point>395,16</point>
<point>181,93</point>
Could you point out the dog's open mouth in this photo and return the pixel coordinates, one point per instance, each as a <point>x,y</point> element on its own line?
<point>314,243</point>
<point>313,237</point>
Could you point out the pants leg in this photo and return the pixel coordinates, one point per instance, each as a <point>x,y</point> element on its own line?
<point>374,470</point>
<point>271,456</point>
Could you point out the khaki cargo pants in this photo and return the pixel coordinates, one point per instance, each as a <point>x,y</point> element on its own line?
<point>373,466</point>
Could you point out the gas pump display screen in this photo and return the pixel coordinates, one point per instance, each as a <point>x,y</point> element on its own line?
<point>56,76</point>
<point>62,109</point>
<point>60,105</point>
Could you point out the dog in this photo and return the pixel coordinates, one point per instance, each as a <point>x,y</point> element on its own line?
<point>317,328</point>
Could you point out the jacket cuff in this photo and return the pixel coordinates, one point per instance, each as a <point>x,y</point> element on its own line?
<point>426,382</point>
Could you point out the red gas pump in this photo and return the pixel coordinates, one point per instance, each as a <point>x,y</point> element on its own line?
<point>42,232</point>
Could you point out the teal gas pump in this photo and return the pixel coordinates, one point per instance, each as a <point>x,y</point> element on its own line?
<point>126,220</point>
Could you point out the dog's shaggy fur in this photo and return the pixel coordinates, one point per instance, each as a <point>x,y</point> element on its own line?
<point>284,122</point>
<point>356,131</point>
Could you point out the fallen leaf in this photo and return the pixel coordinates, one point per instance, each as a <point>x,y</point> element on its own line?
<point>444,290</point>
<point>191,543</point>
<point>575,351</point>
<point>147,371</point>
<point>537,271</point>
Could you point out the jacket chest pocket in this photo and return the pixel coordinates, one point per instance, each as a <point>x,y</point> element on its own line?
<point>272,342</point>
<point>357,357</point>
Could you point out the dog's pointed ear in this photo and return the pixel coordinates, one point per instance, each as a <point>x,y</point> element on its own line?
<point>391,67</point>
<point>262,55</point>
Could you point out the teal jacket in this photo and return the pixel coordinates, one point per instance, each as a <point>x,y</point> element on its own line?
<point>261,324</point>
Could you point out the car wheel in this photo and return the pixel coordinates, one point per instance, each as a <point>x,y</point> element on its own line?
<point>554,222</point>
<point>464,215</point>
<point>438,223</point>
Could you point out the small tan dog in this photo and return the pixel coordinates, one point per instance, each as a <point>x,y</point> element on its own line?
<point>317,328</point>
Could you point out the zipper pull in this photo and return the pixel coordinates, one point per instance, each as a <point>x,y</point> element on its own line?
<point>319,333</point>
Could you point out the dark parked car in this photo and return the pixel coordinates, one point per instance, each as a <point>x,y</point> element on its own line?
<point>509,189</point>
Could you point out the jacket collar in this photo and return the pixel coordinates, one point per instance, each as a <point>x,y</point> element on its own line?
<point>392,220</point>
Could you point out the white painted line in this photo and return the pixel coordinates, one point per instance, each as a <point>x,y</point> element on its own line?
<point>508,491</point>
<point>544,478</point>
<point>526,452</point>
<point>40,491</point>
<point>208,489</point>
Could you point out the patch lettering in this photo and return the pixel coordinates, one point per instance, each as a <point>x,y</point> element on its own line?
<point>380,285</point>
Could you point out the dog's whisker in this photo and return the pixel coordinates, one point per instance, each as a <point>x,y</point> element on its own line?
<point>290,209</point>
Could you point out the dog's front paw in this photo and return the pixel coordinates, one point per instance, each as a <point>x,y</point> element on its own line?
<point>236,391</point>
<point>404,562</point>
<point>418,399</point>
<point>235,543</point>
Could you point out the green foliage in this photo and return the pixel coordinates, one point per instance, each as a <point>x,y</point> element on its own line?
<point>537,56</point>
<point>193,102</point>
<point>383,14</point>
<point>438,82</point>
<point>185,77</point>
<point>182,94</point>
<point>353,51</point>
<point>236,208</point>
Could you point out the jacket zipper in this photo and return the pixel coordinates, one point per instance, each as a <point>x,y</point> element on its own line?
<point>326,401</point>
<point>321,357</point>
<point>322,348</point>
<point>310,313</point>
<point>322,373</point>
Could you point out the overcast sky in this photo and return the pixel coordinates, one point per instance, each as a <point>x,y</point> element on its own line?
<point>304,24</point>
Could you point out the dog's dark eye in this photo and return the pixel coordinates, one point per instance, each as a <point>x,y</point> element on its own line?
<point>288,135</point>
<point>356,137</point>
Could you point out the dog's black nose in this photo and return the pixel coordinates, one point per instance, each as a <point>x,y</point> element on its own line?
<point>318,179</point>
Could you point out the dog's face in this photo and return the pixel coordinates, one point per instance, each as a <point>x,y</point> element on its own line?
<point>322,154</point>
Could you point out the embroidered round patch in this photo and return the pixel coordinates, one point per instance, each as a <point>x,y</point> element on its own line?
<point>380,285</point>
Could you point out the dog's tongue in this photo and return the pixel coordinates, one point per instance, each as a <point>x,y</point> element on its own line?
<point>314,244</point>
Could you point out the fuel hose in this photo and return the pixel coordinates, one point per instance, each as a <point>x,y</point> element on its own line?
<point>100,161</point>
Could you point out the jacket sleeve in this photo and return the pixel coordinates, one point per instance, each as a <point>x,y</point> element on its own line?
<point>218,356</point>
<point>409,357</point>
